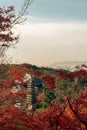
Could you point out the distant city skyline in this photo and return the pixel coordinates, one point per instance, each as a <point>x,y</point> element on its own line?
<point>55,31</point>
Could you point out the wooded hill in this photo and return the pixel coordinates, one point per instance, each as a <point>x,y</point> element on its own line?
<point>60,105</point>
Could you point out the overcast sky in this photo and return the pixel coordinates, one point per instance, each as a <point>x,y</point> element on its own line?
<point>56,30</point>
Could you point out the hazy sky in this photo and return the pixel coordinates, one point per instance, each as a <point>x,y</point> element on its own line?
<point>56,30</point>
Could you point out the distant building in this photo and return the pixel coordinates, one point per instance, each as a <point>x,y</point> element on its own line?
<point>34,87</point>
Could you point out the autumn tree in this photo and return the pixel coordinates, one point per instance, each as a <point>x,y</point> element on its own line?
<point>73,90</point>
<point>8,19</point>
<point>78,106</point>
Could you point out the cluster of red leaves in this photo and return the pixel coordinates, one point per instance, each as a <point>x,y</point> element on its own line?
<point>47,119</point>
<point>12,118</point>
<point>9,83</point>
<point>7,17</point>
<point>28,69</point>
<point>50,81</point>
<point>81,73</point>
<point>21,94</point>
<point>77,109</point>
<point>54,118</point>
<point>66,75</point>
<point>81,105</point>
<point>7,96</point>
<point>17,74</point>
<point>38,73</point>
<point>72,75</point>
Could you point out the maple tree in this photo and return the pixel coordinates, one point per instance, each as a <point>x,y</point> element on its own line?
<point>50,81</point>
<point>71,83</point>
<point>8,19</point>
<point>73,91</point>
<point>17,74</point>
<point>55,118</point>
<point>79,108</point>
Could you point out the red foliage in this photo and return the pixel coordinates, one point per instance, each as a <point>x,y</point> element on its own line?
<point>7,17</point>
<point>17,74</point>
<point>61,74</point>
<point>38,73</point>
<point>12,118</point>
<point>55,118</point>
<point>81,105</point>
<point>28,69</point>
<point>81,73</point>
<point>47,120</point>
<point>72,75</point>
<point>77,109</point>
<point>50,81</point>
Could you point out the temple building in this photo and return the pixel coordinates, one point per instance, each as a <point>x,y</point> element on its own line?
<point>33,86</point>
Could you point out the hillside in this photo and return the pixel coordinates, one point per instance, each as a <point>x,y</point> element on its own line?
<point>56,97</point>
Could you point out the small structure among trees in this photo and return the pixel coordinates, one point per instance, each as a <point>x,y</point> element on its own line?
<point>32,86</point>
